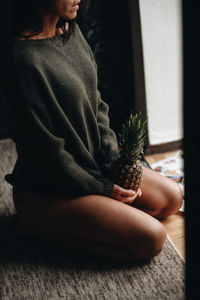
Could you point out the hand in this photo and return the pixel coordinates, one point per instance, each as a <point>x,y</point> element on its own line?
<point>124,195</point>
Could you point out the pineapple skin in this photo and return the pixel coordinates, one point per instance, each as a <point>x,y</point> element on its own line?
<point>127,170</point>
<point>128,174</point>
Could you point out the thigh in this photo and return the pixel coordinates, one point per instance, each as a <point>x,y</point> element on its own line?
<point>161,196</point>
<point>93,218</point>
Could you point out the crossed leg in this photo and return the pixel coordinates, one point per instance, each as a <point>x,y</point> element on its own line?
<point>161,196</point>
<point>102,225</point>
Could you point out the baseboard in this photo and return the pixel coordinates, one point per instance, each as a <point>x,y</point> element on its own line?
<point>165,147</point>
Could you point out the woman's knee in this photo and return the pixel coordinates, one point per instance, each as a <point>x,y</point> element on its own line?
<point>150,243</point>
<point>155,240</point>
<point>174,199</point>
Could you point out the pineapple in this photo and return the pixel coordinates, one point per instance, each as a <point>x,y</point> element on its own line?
<point>127,170</point>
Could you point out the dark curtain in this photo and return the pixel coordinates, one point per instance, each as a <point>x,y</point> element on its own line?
<point>3,130</point>
<point>191,60</point>
<point>106,27</point>
<point>4,33</point>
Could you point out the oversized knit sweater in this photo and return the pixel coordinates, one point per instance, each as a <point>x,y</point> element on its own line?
<point>57,118</point>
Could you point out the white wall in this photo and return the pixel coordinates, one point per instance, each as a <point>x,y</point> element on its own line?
<point>161,29</point>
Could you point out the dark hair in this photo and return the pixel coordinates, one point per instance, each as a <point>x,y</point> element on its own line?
<point>26,16</point>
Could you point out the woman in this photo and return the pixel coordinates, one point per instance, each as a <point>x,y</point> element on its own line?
<point>61,129</point>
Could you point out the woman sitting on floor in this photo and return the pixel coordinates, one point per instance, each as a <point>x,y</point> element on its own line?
<point>60,126</point>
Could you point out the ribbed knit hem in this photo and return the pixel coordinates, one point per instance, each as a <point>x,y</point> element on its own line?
<point>102,187</point>
<point>108,188</point>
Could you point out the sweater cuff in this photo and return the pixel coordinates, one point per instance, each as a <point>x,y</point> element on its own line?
<point>108,188</point>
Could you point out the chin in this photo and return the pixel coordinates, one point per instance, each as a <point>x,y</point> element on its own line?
<point>68,18</point>
<point>69,15</point>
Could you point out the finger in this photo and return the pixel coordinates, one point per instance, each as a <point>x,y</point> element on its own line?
<point>126,193</point>
<point>139,193</point>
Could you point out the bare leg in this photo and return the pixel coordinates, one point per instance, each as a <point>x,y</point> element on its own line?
<point>96,224</point>
<point>161,196</point>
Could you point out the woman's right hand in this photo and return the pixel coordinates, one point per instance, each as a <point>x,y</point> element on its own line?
<point>124,195</point>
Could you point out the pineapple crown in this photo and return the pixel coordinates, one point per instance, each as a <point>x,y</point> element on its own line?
<point>132,137</point>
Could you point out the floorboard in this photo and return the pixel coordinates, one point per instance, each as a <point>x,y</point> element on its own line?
<point>174,225</point>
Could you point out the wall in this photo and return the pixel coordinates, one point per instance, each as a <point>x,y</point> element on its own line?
<point>161,35</point>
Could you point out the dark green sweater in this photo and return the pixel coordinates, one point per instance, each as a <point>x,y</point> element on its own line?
<point>57,118</point>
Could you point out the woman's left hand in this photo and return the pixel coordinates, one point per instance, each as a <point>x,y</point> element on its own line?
<point>138,194</point>
<point>124,195</point>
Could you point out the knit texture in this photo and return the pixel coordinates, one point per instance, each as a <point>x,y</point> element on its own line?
<point>57,118</point>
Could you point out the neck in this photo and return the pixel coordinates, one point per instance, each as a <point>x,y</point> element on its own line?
<point>49,28</point>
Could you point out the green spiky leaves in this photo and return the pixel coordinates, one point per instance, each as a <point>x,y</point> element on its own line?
<point>126,171</point>
<point>132,137</point>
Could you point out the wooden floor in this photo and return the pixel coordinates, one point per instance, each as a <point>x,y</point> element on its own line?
<point>174,225</point>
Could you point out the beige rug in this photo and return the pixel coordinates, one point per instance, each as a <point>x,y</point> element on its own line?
<point>35,270</point>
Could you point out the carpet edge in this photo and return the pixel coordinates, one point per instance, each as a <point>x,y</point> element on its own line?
<point>177,251</point>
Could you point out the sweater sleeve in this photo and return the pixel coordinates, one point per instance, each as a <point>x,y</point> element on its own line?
<point>52,167</point>
<point>109,146</point>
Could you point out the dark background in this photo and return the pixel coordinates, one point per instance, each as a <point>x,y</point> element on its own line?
<point>106,26</point>
<point>5,9</point>
<point>191,48</point>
